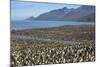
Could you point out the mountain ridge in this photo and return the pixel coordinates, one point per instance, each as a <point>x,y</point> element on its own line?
<point>83,13</point>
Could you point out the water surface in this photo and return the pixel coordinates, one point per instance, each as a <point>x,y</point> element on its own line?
<point>43,24</point>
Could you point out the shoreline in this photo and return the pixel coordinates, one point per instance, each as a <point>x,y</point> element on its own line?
<point>53,27</point>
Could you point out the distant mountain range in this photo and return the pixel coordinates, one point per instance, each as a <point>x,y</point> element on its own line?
<point>83,13</point>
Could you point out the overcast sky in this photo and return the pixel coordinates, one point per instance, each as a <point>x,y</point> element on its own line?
<point>22,10</point>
